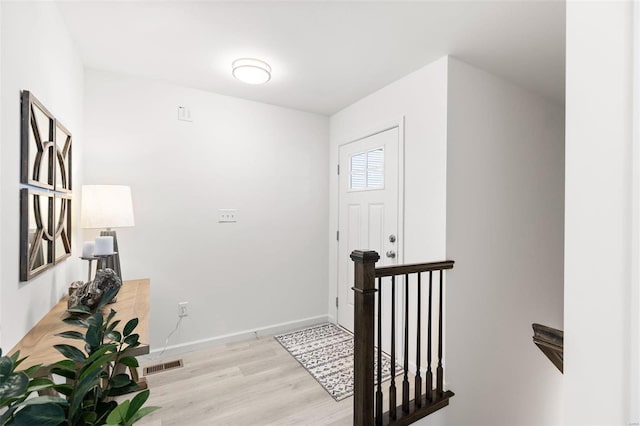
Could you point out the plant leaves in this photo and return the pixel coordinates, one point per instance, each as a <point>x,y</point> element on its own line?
<point>115,336</point>
<point>31,370</point>
<point>108,296</point>
<point>64,389</point>
<point>120,380</point>
<point>40,414</point>
<point>71,352</point>
<point>94,335</point>
<point>118,415</point>
<point>13,385</point>
<point>112,314</point>
<point>144,411</point>
<point>132,339</point>
<point>6,367</point>
<point>44,400</point>
<point>83,386</point>
<point>79,309</point>
<point>131,325</point>
<point>71,375</point>
<point>113,325</point>
<point>131,387</point>
<point>136,403</point>
<point>76,321</point>
<point>38,384</point>
<point>89,417</point>
<point>129,361</point>
<point>71,335</point>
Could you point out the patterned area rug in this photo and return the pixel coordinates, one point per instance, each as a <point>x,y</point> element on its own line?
<point>326,352</point>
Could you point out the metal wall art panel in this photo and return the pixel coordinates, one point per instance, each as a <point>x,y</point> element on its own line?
<point>45,199</point>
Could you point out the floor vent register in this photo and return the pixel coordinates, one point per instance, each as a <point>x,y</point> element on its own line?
<point>159,368</point>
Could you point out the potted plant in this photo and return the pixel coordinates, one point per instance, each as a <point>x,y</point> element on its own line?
<point>92,378</point>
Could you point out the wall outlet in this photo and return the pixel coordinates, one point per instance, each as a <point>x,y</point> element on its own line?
<point>227,215</point>
<point>182,309</point>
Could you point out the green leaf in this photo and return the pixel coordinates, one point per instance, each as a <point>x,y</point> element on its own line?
<point>136,403</point>
<point>113,325</point>
<point>112,314</point>
<point>120,380</point>
<point>13,386</point>
<point>89,417</point>
<point>71,352</point>
<point>71,335</point>
<point>115,336</point>
<point>108,296</point>
<point>118,415</point>
<point>131,325</point>
<point>94,335</point>
<point>76,321</point>
<point>7,415</point>
<point>79,309</point>
<point>41,414</point>
<point>132,339</point>
<point>131,387</point>
<point>144,411</point>
<point>95,319</point>
<point>6,367</point>
<point>71,375</point>
<point>129,361</point>
<point>63,388</point>
<point>31,370</point>
<point>82,387</point>
<point>38,384</point>
<point>45,400</point>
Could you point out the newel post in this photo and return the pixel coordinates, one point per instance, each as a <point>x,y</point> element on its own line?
<point>363,325</point>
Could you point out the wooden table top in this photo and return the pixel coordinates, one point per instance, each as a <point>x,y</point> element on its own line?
<point>132,301</point>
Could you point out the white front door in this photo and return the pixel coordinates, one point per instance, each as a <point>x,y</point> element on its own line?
<point>368,209</point>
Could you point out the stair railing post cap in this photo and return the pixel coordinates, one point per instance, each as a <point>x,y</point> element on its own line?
<point>365,256</point>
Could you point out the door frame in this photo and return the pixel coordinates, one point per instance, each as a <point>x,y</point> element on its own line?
<point>383,127</point>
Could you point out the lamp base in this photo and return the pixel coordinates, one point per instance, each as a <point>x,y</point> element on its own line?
<point>113,262</point>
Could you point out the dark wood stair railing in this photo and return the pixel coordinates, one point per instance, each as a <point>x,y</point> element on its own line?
<point>368,406</point>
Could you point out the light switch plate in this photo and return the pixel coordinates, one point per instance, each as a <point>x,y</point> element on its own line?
<point>227,215</point>
<point>184,113</point>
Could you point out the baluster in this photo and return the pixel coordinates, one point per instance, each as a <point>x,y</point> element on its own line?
<point>392,385</point>
<point>418,382</point>
<point>439,370</point>
<point>379,384</point>
<point>405,381</point>
<point>429,374</point>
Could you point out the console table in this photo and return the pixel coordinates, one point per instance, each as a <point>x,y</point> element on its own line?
<point>132,302</point>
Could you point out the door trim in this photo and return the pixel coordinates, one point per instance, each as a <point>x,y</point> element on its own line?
<point>383,127</point>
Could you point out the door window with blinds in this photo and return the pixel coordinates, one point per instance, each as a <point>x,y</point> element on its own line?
<point>367,170</point>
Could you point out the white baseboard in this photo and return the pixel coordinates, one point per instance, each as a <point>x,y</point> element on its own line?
<point>269,330</point>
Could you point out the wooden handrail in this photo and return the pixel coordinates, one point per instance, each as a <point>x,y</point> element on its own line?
<point>367,406</point>
<point>413,268</point>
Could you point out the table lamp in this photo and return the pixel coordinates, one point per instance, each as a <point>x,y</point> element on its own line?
<point>106,207</point>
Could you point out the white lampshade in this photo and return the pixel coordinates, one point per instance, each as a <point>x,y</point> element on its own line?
<point>106,206</point>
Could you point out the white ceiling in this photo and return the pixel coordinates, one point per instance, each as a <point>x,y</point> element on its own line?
<point>324,55</point>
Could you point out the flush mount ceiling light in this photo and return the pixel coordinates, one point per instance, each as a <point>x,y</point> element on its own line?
<point>251,71</point>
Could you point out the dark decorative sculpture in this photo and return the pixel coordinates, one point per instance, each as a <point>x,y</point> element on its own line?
<point>90,294</point>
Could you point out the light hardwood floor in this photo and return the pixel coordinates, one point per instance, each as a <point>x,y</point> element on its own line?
<point>252,383</point>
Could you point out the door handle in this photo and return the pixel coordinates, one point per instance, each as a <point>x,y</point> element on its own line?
<point>391,254</point>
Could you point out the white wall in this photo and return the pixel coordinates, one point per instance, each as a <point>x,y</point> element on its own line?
<point>45,62</point>
<point>421,98</point>
<point>598,217</point>
<point>268,162</point>
<point>505,196</point>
